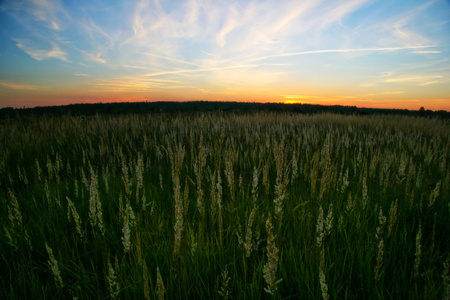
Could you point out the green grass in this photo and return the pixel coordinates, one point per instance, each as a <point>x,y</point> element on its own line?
<point>351,165</point>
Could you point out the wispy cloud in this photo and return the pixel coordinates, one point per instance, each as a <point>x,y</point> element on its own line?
<point>230,24</point>
<point>417,79</point>
<point>393,93</point>
<point>40,54</point>
<point>427,52</point>
<point>171,59</point>
<point>340,51</point>
<point>387,25</point>
<point>48,12</point>
<point>339,10</point>
<point>237,28</point>
<point>19,86</point>
<point>93,56</point>
<point>98,41</point>
<point>137,83</point>
<point>402,27</point>
<point>199,70</point>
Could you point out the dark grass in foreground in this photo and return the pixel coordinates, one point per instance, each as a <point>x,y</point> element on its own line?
<point>267,205</point>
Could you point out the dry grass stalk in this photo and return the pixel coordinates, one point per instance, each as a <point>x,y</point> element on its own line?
<point>126,177</point>
<point>255,184</point>
<point>105,180</point>
<point>329,220</point>
<point>22,175</point>
<point>49,168</point>
<point>146,280</point>
<point>379,266</point>
<point>294,163</point>
<point>281,181</point>
<point>140,179</point>
<point>176,156</point>
<point>435,194</point>
<point>418,250</point>
<point>213,194</point>
<point>76,218</point>
<point>219,206</point>
<point>265,177</point>
<point>53,263</point>
<point>140,171</point>
<point>345,181</point>
<point>322,277</point>
<point>365,195</point>
<point>380,254</point>
<point>382,220</point>
<point>248,243</point>
<point>161,185</point>
<point>38,170</point>
<point>324,226</point>
<point>95,206</point>
<point>186,197</point>
<point>14,214</point>
<point>160,290</point>
<point>392,217</point>
<point>113,284</point>
<point>128,222</point>
<point>199,166</point>
<point>320,233</point>
<point>16,228</point>
<point>11,238</point>
<point>230,157</point>
<point>84,179</point>
<point>224,291</point>
<point>270,268</point>
<point>75,183</point>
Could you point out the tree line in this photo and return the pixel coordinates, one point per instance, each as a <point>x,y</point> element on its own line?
<point>86,109</point>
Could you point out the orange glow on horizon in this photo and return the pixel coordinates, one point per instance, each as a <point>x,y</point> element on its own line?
<point>20,99</point>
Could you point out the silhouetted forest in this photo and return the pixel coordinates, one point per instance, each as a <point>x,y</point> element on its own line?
<point>86,109</point>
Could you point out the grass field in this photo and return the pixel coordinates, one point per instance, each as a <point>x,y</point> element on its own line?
<point>230,206</point>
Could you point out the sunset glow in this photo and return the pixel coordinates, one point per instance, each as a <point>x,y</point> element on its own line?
<point>384,54</point>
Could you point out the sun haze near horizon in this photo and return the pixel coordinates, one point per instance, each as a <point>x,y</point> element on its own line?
<point>365,53</point>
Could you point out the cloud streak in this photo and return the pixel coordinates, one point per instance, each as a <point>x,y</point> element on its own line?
<point>380,49</point>
<point>427,52</point>
<point>417,79</point>
<point>19,86</point>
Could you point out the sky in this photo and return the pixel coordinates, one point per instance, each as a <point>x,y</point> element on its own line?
<point>365,53</point>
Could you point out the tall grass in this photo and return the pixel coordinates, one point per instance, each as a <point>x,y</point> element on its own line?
<point>231,206</point>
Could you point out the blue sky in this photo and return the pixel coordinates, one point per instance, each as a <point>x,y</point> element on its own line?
<point>392,54</point>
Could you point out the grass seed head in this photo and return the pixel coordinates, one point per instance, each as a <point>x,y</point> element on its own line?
<point>113,284</point>
<point>270,268</point>
<point>418,250</point>
<point>224,290</point>
<point>322,277</point>
<point>378,268</point>
<point>53,263</point>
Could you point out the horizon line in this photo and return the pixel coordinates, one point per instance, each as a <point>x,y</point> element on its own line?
<point>217,101</point>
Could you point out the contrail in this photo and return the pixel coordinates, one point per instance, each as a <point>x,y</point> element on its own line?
<point>340,51</point>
